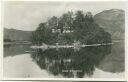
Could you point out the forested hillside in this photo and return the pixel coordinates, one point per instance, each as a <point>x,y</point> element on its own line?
<point>113,21</point>
<point>16,35</point>
<point>70,27</point>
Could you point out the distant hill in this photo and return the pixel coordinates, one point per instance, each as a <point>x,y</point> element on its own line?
<point>113,21</point>
<point>14,34</point>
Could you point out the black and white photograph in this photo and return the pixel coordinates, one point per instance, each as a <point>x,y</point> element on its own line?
<point>46,39</point>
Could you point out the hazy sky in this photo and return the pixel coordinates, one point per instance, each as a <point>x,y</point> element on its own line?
<point>27,15</point>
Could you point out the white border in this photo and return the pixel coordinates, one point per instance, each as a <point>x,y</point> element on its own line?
<point>66,79</point>
<point>126,42</point>
<point>70,0</point>
<point>1,41</point>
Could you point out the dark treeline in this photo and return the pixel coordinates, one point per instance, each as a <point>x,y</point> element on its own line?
<point>69,28</point>
<point>7,40</point>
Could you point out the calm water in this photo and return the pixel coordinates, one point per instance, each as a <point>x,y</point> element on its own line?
<point>96,62</point>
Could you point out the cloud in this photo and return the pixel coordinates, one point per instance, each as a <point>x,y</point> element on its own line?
<point>27,15</point>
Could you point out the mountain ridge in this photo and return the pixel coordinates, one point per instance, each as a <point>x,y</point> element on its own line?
<point>17,35</point>
<point>113,21</point>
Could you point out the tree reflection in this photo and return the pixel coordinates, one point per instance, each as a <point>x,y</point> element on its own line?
<point>69,62</point>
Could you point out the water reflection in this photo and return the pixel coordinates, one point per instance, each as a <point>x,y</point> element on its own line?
<point>13,50</point>
<point>115,61</point>
<point>69,62</point>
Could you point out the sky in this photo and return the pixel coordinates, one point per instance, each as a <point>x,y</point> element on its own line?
<point>27,15</point>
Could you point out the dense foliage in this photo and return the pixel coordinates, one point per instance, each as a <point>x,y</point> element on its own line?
<point>7,40</point>
<point>81,28</point>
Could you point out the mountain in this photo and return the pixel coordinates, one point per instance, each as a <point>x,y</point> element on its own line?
<point>113,21</point>
<point>14,34</point>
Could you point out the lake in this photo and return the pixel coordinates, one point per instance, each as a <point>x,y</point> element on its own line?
<point>88,62</point>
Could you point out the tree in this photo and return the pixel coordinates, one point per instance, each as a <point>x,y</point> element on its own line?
<point>84,29</point>
<point>89,16</point>
<point>66,20</point>
<point>52,22</point>
<point>41,35</point>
